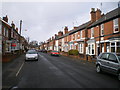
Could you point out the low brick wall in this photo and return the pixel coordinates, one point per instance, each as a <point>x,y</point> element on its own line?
<point>9,57</point>
<point>80,57</point>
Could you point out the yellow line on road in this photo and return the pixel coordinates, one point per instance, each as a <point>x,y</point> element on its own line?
<point>19,69</point>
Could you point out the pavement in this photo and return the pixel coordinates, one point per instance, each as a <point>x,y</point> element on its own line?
<point>55,72</point>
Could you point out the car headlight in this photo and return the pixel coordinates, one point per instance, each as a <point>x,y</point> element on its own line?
<point>36,56</point>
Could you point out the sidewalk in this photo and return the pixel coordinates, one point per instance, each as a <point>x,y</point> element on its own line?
<point>9,71</point>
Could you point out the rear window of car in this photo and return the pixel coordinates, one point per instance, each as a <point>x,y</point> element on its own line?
<point>31,52</point>
<point>104,56</point>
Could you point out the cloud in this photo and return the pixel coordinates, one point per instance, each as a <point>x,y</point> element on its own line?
<point>44,19</point>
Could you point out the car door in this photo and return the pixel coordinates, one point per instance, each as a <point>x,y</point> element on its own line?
<point>104,61</point>
<point>113,63</point>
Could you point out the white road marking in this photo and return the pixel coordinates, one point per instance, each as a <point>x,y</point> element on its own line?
<point>19,69</point>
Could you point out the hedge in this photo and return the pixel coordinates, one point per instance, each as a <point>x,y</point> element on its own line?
<point>73,52</point>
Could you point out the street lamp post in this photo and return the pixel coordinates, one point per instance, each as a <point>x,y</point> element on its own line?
<point>20,36</point>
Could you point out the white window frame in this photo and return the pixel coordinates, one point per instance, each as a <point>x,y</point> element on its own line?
<point>76,36</point>
<point>92,32</point>
<point>81,34</point>
<point>102,29</point>
<point>92,47</point>
<point>115,25</point>
<point>12,33</point>
<point>81,45</point>
<point>4,31</point>
<point>115,45</point>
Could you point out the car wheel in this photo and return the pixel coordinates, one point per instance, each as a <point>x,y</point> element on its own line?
<point>98,69</point>
<point>119,76</point>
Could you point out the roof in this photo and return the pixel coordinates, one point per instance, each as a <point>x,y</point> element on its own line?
<point>81,27</point>
<point>109,16</point>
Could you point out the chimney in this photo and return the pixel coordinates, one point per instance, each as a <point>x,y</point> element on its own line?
<point>5,19</point>
<point>75,28</point>
<point>60,33</point>
<point>98,14</point>
<point>17,29</point>
<point>93,15</point>
<point>65,30</point>
<point>52,37</point>
<point>55,35</point>
<point>13,25</point>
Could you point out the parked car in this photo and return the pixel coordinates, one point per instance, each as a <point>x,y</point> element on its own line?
<point>31,55</point>
<point>55,53</point>
<point>108,62</point>
<point>44,51</point>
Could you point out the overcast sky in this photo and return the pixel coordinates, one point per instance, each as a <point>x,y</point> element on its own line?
<point>44,19</point>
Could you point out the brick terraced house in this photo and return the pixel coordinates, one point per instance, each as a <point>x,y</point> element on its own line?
<point>100,34</point>
<point>11,38</point>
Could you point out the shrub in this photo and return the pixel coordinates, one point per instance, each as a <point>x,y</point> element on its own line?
<point>73,52</point>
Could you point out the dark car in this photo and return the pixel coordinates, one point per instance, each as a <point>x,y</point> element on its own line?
<point>55,53</point>
<point>108,62</point>
<point>44,51</point>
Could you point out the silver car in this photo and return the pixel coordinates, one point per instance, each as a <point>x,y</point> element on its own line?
<point>108,62</point>
<point>31,55</point>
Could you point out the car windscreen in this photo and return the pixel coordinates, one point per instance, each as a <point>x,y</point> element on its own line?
<point>31,52</point>
<point>119,57</point>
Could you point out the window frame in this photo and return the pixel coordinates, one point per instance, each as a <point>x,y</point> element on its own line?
<point>115,24</point>
<point>102,29</point>
<point>92,32</point>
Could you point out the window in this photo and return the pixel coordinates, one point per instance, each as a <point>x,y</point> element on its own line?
<point>102,29</point>
<point>102,47</point>
<point>115,22</point>
<point>118,47</point>
<point>4,31</point>
<point>12,33</point>
<point>104,56</point>
<point>112,58</point>
<point>108,47</point>
<point>76,34</point>
<point>80,34</point>
<point>92,32</point>
<point>81,47</point>
<point>91,48</point>
<point>113,47</point>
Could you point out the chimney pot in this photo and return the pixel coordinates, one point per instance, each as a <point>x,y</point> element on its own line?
<point>5,19</point>
<point>65,30</point>
<point>93,15</point>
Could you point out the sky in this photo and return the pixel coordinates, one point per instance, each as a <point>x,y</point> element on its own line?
<point>42,20</point>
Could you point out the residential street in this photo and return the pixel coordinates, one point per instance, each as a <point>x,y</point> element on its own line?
<point>55,72</point>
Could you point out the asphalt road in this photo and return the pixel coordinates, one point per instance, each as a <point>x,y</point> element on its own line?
<point>60,72</point>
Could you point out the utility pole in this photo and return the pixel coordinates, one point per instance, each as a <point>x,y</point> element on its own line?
<point>20,36</point>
